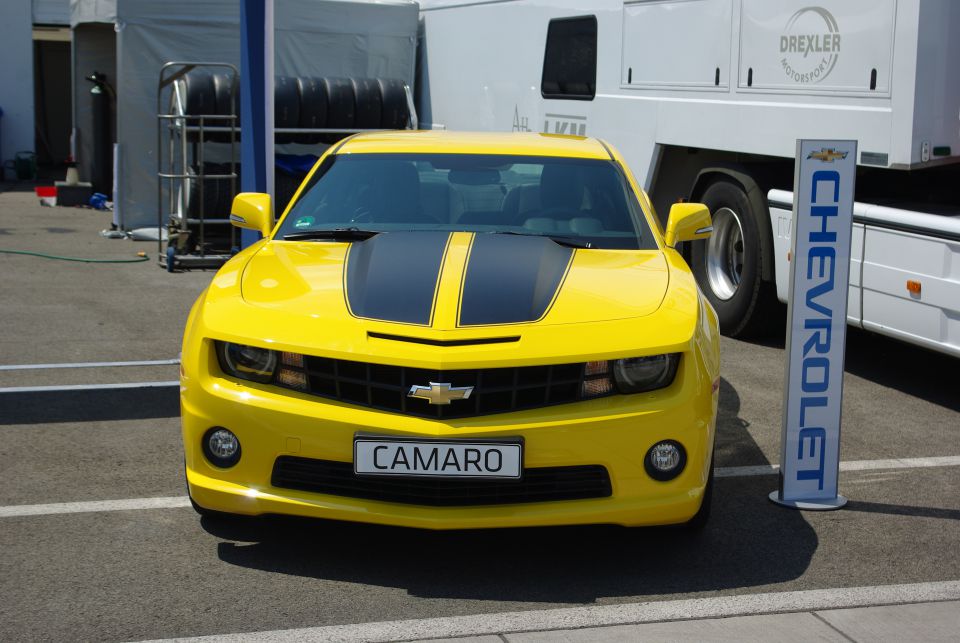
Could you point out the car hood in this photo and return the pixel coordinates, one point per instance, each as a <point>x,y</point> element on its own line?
<point>450,281</point>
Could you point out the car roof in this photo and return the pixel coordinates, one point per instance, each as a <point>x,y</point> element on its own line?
<point>446,142</point>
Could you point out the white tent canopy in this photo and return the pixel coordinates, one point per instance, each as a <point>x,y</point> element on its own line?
<point>359,38</point>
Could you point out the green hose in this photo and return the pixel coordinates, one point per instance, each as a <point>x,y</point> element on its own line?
<point>142,257</point>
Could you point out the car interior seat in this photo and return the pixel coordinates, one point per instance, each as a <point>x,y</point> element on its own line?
<point>393,194</point>
<point>561,188</point>
<point>441,201</point>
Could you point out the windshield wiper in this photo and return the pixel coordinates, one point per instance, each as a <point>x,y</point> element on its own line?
<point>567,241</point>
<point>337,234</point>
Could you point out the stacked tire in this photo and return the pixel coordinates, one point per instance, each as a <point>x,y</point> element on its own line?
<point>300,103</point>
<point>346,104</point>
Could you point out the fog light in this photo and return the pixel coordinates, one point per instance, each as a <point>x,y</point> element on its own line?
<point>221,447</point>
<point>665,460</point>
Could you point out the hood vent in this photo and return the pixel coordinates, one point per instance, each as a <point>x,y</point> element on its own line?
<point>445,342</point>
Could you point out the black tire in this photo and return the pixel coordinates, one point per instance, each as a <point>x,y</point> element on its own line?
<point>188,196</point>
<point>733,283</point>
<point>394,113</point>
<point>225,192</point>
<point>211,194</point>
<point>225,106</point>
<point>200,93</point>
<point>198,98</point>
<point>286,107</point>
<point>313,108</point>
<point>366,92</point>
<point>211,190</point>
<point>702,517</point>
<point>341,106</point>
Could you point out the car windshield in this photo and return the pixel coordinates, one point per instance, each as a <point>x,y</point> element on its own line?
<point>584,202</point>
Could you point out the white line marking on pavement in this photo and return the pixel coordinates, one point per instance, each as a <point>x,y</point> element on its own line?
<point>607,615</point>
<point>35,367</point>
<point>851,465</point>
<point>87,387</point>
<point>129,504</point>
<point>171,502</point>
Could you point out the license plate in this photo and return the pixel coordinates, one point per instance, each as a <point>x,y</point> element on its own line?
<point>438,458</point>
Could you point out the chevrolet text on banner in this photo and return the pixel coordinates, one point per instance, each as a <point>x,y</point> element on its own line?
<point>817,324</point>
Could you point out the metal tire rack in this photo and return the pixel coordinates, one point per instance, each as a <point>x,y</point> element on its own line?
<point>181,139</point>
<point>184,138</point>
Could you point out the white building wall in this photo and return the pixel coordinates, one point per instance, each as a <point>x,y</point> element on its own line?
<point>16,77</point>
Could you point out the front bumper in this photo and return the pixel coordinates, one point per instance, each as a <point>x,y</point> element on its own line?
<point>614,432</point>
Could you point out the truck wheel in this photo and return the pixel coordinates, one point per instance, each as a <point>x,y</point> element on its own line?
<point>728,264</point>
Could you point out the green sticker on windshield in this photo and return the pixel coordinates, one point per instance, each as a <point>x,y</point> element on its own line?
<point>304,222</point>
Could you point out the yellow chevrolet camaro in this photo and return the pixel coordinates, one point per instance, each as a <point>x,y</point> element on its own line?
<point>449,330</point>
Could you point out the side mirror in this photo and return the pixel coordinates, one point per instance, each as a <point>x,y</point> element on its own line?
<point>687,221</point>
<point>253,211</point>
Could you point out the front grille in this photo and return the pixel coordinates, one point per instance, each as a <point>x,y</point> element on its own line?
<point>495,390</point>
<point>538,484</point>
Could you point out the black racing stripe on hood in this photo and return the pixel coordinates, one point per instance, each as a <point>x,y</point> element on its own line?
<point>511,279</point>
<point>393,276</point>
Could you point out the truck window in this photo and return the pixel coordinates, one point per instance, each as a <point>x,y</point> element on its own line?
<point>570,59</point>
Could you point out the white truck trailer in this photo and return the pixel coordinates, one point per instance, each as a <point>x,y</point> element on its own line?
<point>706,99</point>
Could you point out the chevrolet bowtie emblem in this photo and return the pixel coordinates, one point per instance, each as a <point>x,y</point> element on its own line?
<point>827,155</point>
<point>440,393</point>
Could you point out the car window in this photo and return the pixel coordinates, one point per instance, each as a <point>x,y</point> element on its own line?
<point>581,199</point>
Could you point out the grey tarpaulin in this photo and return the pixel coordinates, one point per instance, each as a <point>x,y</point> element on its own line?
<point>359,38</point>
<point>87,11</point>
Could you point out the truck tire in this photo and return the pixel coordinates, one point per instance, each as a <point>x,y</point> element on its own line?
<point>728,265</point>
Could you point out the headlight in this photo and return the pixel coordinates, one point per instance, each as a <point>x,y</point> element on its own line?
<point>638,374</point>
<point>247,362</point>
<point>629,375</point>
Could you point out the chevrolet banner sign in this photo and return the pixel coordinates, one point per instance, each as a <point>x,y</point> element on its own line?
<point>817,324</point>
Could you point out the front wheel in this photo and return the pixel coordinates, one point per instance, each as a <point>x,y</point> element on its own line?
<point>728,266</point>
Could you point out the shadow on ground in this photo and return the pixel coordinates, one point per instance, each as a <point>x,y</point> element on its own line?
<point>904,367</point>
<point>96,405</point>
<point>749,542</point>
<point>889,362</point>
<point>734,444</point>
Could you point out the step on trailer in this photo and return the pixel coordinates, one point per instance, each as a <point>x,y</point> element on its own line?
<point>706,99</point>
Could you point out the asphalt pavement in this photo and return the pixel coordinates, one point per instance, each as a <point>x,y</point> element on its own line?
<point>135,571</point>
